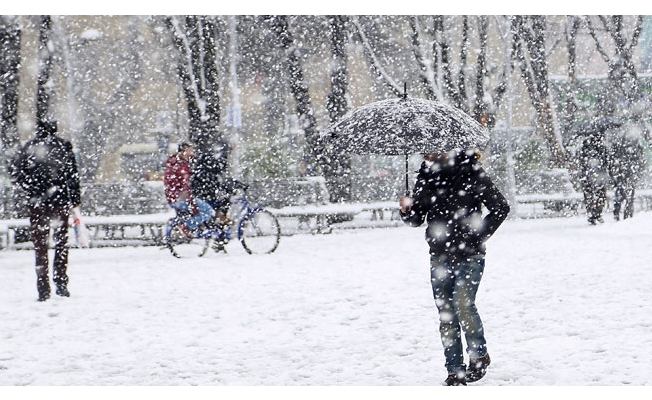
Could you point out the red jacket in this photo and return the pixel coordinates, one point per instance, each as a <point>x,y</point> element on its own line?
<point>176,179</point>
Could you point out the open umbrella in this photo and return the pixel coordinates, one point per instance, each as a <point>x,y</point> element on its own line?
<point>405,126</point>
<point>596,126</point>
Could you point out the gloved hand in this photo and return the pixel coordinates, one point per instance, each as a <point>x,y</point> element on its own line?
<point>405,203</point>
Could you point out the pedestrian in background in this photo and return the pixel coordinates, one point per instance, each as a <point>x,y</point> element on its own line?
<point>626,156</point>
<point>46,170</point>
<point>594,175</point>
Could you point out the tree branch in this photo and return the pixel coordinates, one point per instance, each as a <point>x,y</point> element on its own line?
<point>375,64</point>
<point>589,25</point>
<point>426,73</point>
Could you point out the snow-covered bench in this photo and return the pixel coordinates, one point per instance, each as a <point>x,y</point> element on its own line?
<point>149,229</point>
<point>320,218</point>
<point>569,202</point>
<point>104,230</point>
<point>127,229</point>
<point>8,230</point>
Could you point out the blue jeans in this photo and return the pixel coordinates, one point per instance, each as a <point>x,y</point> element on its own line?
<point>454,285</point>
<point>205,212</point>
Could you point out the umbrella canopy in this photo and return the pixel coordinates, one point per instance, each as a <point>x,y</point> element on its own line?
<point>406,126</point>
<point>596,126</point>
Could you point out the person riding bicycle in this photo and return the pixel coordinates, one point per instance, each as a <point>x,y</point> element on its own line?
<point>179,193</point>
<point>209,178</point>
<point>256,228</point>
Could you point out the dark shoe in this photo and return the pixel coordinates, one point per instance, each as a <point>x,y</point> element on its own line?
<point>42,296</point>
<point>455,380</point>
<point>218,246</point>
<point>62,291</point>
<point>477,368</point>
<point>43,287</point>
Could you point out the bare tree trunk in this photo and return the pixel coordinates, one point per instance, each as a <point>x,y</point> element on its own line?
<point>461,75</point>
<point>529,32</point>
<point>498,93</point>
<point>187,39</point>
<point>426,72</point>
<point>337,103</point>
<point>44,85</point>
<point>571,101</point>
<point>454,85</point>
<point>211,74</point>
<point>198,71</point>
<point>10,36</point>
<point>450,89</point>
<point>208,137</point>
<point>307,121</point>
<point>486,100</point>
<point>337,167</point>
<point>570,110</point>
<point>481,107</point>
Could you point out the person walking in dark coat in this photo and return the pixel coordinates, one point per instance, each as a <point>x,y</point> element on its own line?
<point>47,171</point>
<point>626,164</point>
<point>449,194</point>
<point>594,176</point>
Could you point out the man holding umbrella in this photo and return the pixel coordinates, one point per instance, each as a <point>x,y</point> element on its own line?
<point>449,193</point>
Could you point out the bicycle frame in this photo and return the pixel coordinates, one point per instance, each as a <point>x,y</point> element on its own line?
<point>243,209</point>
<point>257,229</point>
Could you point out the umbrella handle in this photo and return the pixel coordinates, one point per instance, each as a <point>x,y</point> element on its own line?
<point>407,185</point>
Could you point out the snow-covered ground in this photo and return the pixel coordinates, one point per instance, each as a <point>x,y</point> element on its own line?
<point>563,303</point>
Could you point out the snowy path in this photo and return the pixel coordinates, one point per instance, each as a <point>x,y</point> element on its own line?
<point>563,303</point>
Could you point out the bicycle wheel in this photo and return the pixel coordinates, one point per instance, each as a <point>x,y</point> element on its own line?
<point>183,247</point>
<point>259,232</point>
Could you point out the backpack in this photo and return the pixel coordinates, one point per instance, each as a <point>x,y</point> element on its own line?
<point>45,169</point>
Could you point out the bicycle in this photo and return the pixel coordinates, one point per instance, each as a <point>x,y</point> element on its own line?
<point>257,230</point>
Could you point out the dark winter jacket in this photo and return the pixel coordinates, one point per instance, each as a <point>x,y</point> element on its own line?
<point>450,199</point>
<point>626,156</point>
<point>593,162</point>
<point>208,175</point>
<point>47,170</point>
